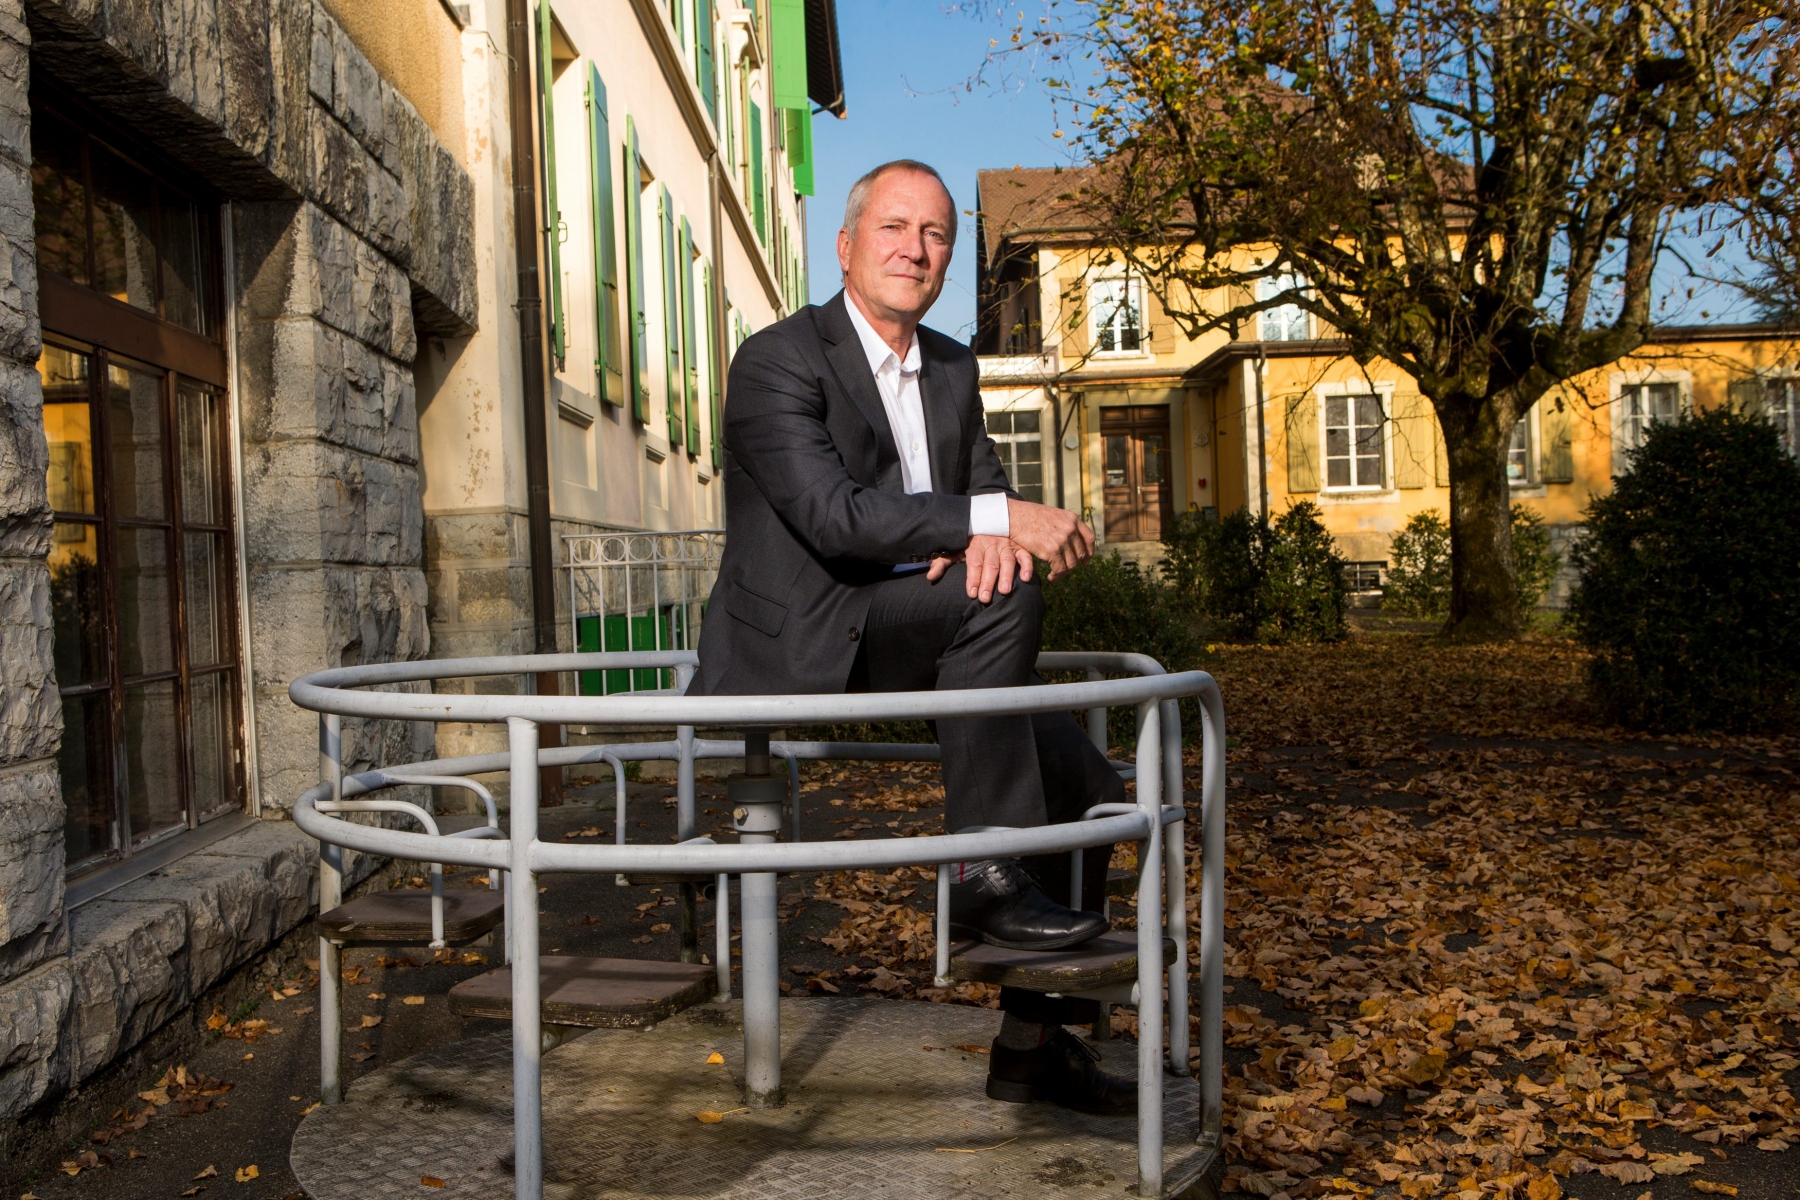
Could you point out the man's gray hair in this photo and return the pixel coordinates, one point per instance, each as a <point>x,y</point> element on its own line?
<point>859,192</point>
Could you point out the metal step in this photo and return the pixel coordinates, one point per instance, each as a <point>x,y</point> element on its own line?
<point>403,917</point>
<point>1107,961</point>
<point>595,993</point>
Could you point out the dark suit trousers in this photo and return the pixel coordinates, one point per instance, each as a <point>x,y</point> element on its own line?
<point>1020,771</point>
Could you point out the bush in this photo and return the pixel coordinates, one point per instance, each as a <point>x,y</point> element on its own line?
<point>1689,590</point>
<point>1252,581</point>
<point>1419,564</point>
<point>1419,568</point>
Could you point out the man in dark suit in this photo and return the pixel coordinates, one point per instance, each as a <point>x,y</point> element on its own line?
<point>874,545</point>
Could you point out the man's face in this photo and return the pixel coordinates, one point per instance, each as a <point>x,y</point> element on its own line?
<point>896,257</point>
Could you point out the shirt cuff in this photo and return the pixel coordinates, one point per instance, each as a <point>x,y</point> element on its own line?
<point>988,515</point>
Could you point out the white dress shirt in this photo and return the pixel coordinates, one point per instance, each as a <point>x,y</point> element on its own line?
<point>897,379</point>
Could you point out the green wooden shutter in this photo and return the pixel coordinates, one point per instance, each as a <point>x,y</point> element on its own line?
<point>552,214</point>
<point>1749,396</point>
<point>684,253</point>
<point>757,203</point>
<point>1556,440</point>
<point>609,367</point>
<point>713,366</point>
<point>671,295</point>
<point>1412,441</point>
<point>1302,428</point>
<point>787,52</point>
<point>800,148</point>
<point>634,276</point>
<point>705,34</point>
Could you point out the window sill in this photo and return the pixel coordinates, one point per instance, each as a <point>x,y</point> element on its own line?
<point>95,884</point>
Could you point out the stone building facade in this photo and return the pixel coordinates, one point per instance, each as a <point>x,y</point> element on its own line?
<point>261,413</point>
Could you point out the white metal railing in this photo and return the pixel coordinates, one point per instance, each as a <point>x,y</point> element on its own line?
<point>1156,822</point>
<point>638,590</point>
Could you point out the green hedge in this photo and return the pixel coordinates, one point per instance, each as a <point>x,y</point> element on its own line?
<point>1689,592</point>
<point>1248,580</point>
<point>1419,564</point>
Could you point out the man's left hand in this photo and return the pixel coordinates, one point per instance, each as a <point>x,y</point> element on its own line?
<point>994,562</point>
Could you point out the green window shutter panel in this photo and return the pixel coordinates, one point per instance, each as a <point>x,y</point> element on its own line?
<point>1556,429</point>
<point>1302,429</point>
<point>609,367</point>
<point>757,203</point>
<point>1412,441</point>
<point>552,214</point>
<point>689,334</point>
<point>1749,395</point>
<point>677,17</point>
<point>787,50</point>
<point>636,304</point>
<point>671,294</point>
<point>800,148</point>
<point>711,341</point>
<point>706,33</point>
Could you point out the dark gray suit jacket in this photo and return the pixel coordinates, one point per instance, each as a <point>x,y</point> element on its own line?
<point>815,511</point>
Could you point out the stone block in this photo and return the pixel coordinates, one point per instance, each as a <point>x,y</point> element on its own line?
<point>31,867</point>
<point>134,29</point>
<point>30,710</point>
<point>400,413</point>
<point>324,282</point>
<point>193,67</point>
<point>15,84</point>
<point>322,63</point>
<point>20,337</point>
<point>131,975</point>
<point>33,1009</point>
<point>355,89</point>
<point>24,455</point>
<point>442,235</point>
<point>339,178</point>
<point>249,74</point>
<point>308,501</point>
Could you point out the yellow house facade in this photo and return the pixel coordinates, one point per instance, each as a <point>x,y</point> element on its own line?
<point>1133,421</point>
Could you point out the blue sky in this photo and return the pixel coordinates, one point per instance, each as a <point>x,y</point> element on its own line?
<point>905,64</point>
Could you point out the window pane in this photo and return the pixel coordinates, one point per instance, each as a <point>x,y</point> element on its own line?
<point>124,240</point>
<point>1368,411</point>
<point>1337,410</point>
<point>1518,454</point>
<point>1337,472</point>
<point>1116,451</point>
<point>58,197</point>
<point>152,764</point>
<point>1153,460</point>
<point>206,592</point>
<point>134,408</point>
<point>186,273</point>
<point>67,426</point>
<point>1664,399</point>
<point>1028,475</point>
<point>83,762</point>
<point>999,423</point>
<point>77,604</point>
<point>201,478</point>
<point>146,642</point>
<point>1028,449</point>
<point>1027,421</point>
<point>1337,443</point>
<point>212,741</point>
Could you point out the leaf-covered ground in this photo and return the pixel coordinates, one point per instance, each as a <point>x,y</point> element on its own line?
<point>1477,944</point>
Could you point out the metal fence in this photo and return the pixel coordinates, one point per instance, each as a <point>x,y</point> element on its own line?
<point>632,591</point>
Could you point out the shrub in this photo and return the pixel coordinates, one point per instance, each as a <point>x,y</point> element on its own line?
<point>1252,581</point>
<point>1419,567</point>
<point>1113,604</point>
<point>1419,563</point>
<point>1535,563</point>
<point>1689,588</point>
<point>1303,594</point>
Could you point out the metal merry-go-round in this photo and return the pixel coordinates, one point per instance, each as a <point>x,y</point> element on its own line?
<point>515,857</point>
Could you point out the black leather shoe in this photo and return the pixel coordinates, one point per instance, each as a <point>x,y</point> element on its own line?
<point>998,903</point>
<point>1064,1070</point>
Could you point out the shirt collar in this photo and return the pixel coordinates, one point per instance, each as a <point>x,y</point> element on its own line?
<point>877,351</point>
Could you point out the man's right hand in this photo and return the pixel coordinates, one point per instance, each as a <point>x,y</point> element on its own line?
<point>1053,534</point>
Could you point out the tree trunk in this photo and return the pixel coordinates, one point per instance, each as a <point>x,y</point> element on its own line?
<point>1484,591</point>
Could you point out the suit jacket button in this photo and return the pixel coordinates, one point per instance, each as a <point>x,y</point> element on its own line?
<point>854,634</point>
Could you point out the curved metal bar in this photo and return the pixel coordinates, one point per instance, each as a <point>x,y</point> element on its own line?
<point>455,781</point>
<point>323,692</point>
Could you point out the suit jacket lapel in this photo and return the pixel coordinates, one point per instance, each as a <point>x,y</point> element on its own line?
<point>943,424</point>
<point>845,353</point>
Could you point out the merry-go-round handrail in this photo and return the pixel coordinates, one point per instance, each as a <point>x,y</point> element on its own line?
<point>1152,692</point>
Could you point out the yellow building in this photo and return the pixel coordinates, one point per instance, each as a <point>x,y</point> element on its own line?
<point>1102,405</point>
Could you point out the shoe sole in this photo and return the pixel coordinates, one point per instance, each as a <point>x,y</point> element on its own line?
<point>1023,1093</point>
<point>1062,943</point>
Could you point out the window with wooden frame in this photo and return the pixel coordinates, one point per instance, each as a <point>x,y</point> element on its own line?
<point>142,567</point>
<point>1117,309</point>
<point>1355,443</point>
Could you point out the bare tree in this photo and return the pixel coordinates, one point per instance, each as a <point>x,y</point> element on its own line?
<point>1478,191</point>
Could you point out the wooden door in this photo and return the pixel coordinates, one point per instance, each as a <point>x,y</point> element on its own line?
<point>1135,460</point>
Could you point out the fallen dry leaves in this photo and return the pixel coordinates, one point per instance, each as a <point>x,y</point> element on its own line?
<point>1477,941</point>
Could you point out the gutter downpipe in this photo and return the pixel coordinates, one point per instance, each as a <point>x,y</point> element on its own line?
<point>532,380</point>
<point>1262,430</point>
